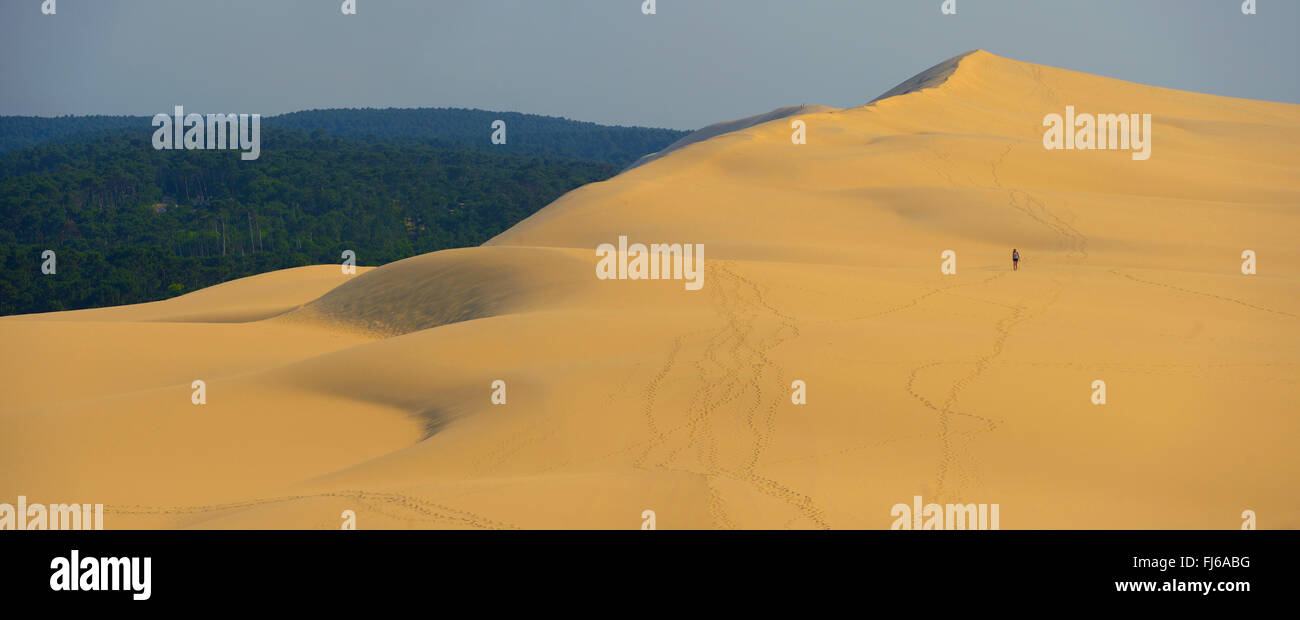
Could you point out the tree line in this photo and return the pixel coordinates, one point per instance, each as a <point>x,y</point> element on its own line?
<point>527,134</point>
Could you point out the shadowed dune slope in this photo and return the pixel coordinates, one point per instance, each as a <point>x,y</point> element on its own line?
<point>717,129</point>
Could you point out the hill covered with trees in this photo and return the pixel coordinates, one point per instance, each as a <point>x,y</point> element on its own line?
<point>526,134</point>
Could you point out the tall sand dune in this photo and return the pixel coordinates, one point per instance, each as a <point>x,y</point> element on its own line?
<point>374,392</point>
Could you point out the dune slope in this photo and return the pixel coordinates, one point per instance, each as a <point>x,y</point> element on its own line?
<point>375,393</point>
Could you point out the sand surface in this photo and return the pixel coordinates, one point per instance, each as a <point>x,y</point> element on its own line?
<point>373,392</point>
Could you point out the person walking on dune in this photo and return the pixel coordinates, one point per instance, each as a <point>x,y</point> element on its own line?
<point>1015,259</point>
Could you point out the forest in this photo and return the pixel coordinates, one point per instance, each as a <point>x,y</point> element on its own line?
<point>131,224</point>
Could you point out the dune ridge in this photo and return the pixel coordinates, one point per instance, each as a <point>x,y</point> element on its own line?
<point>373,392</point>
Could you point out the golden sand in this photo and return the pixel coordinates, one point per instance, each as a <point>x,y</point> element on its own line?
<point>372,393</point>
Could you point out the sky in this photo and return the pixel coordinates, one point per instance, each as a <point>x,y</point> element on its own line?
<point>692,63</point>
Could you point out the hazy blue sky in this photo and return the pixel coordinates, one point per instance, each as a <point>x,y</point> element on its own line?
<point>693,63</point>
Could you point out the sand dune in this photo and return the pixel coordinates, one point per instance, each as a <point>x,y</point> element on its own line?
<point>373,393</point>
<point>245,300</point>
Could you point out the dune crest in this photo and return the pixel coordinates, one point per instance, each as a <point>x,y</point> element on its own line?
<point>717,129</point>
<point>930,78</point>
